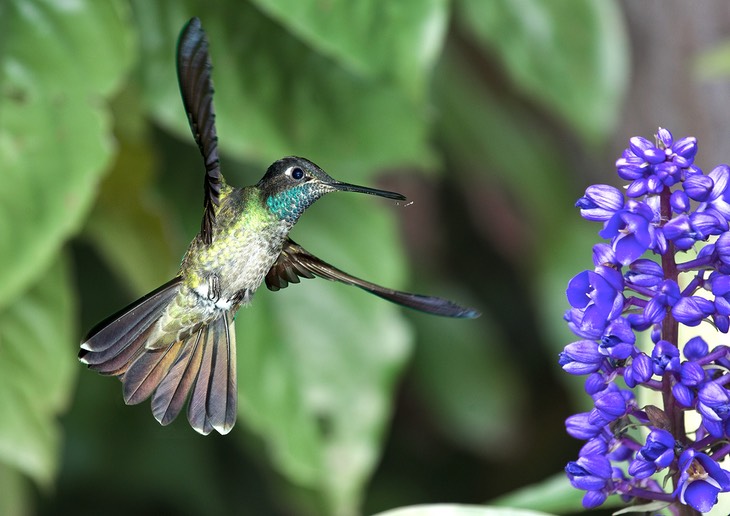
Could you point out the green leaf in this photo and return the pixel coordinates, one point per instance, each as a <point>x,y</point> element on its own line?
<point>570,56</point>
<point>458,510</point>
<point>15,500</point>
<point>318,361</point>
<point>409,35</point>
<point>130,224</point>
<point>485,132</point>
<point>276,96</point>
<point>553,494</point>
<point>37,368</point>
<point>651,507</point>
<point>58,64</point>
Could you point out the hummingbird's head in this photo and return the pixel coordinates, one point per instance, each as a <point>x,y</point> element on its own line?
<point>292,184</point>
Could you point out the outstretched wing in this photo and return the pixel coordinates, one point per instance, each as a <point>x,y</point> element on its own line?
<point>194,76</point>
<point>295,262</point>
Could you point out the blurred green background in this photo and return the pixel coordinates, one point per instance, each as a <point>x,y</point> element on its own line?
<point>492,116</point>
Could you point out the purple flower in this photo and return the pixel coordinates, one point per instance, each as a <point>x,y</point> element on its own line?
<point>618,340</point>
<point>581,357</point>
<point>700,481</point>
<point>600,202</point>
<point>665,357</point>
<point>713,403</point>
<point>671,207</point>
<point>631,231</point>
<point>656,454</point>
<point>589,472</point>
<point>598,294</point>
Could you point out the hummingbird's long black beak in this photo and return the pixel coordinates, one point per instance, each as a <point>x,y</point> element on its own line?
<point>347,187</point>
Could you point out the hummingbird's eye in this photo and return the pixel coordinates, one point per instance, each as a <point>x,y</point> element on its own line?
<point>297,173</point>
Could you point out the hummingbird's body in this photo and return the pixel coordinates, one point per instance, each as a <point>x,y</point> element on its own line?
<point>178,342</point>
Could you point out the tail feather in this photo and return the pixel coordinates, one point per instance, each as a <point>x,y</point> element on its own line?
<point>147,371</point>
<point>214,395</point>
<point>197,406</point>
<point>122,335</point>
<point>169,398</point>
<point>221,404</point>
<point>201,366</point>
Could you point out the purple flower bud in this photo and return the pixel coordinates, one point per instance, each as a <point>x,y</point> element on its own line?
<point>691,310</point>
<point>640,468</point>
<point>644,273</point>
<point>678,227</point>
<point>683,394</point>
<point>686,148</point>
<point>595,446</point>
<point>698,187</point>
<point>707,223</point>
<point>665,137</point>
<point>595,383</point>
<point>580,427</point>
<point>641,370</point>
<point>646,150</point>
<point>638,188</point>
<point>692,374</point>
<point>722,322</point>
<point>631,168</point>
<point>600,202</point>
<point>695,348</point>
<point>679,202</point>
<point>722,247</point>
<point>603,255</point>
<point>665,357</point>
<point>609,407</point>
<point>581,357</point>
<point>593,499</point>
<point>589,472</point>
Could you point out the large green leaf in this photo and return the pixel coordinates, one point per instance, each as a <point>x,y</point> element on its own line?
<point>570,56</point>
<point>553,494</point>
<point>130,223</point>
<point>37,367</point>
<point>393,40</point>
<point>317,361</point>
<point>58,63</point>
<point>276,96</point>
<point>458,510</point>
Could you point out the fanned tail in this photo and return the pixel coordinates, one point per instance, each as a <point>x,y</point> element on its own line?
<point>207,364</point>
<point>204,362</point>
<point>112,345</point>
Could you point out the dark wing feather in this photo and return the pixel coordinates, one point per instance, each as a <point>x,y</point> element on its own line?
<point>295,262</point>
<point>194,76</point>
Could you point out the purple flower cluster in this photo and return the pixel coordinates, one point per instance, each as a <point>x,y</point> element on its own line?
<point>670,206</point>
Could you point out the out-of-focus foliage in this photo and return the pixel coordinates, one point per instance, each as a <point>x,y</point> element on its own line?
<point>455,104</point>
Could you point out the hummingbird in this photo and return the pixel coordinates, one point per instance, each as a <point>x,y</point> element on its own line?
<point>178,343</point>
